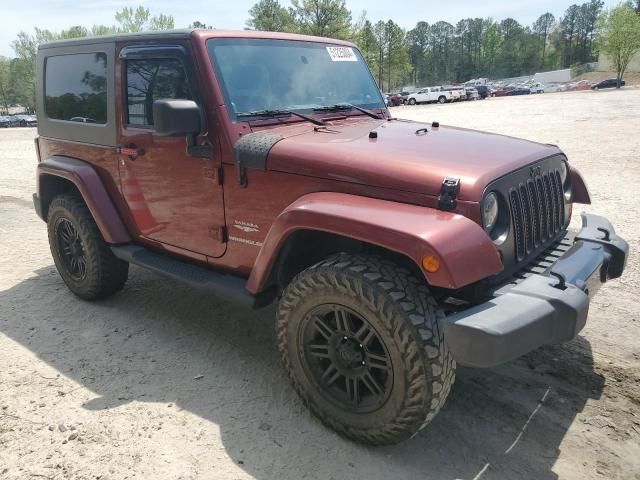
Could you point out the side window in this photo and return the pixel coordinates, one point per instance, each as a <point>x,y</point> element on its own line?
<point>75,87</point>
<point>150,80</point>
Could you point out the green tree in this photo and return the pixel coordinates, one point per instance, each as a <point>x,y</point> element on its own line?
<point>5,65</point>
<point>365,38</point>
<point>418,51</point>
<point>130,20</point>
<point>161,22</point>
<point>542,27</point>
<point>324,18</point>
<point>379,33</point>
<point>619,36</point>
<point>510,61</point>
<point>270,16</point>
<point>397,61</point>
<point>491,44</point>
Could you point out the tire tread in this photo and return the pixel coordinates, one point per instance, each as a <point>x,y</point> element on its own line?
<point>384,286</point>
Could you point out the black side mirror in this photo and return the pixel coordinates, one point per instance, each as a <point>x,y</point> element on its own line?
<point>174,118</point>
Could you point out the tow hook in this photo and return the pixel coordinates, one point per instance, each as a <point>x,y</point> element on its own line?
<point>607,234</point>
<point>562,280</point>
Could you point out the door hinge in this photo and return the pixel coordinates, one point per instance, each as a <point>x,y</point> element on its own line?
<point>219,233</point>
<point>214,174</point>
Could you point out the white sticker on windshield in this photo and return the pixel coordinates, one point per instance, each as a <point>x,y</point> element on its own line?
<point>342,54</point>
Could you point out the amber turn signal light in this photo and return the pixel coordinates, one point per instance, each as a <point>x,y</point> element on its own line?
<point>431,263</point>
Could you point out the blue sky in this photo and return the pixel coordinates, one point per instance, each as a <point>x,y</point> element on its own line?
<point>19,15</point>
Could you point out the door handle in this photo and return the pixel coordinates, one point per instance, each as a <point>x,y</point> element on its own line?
<point>130,151</point>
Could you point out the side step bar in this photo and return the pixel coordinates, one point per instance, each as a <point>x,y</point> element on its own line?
<point>223,285</point>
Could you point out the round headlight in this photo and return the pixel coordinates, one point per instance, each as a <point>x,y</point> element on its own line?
<point>490,211</point>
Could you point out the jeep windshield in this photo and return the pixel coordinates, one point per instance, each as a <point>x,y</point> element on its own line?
<point>258,75</point>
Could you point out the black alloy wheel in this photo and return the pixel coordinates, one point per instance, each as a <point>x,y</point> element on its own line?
<point>346,358</point>
<point>71,248</point>
<point>82,257</point>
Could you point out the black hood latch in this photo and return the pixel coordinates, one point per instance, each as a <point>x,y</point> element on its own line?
<point>448,193</point>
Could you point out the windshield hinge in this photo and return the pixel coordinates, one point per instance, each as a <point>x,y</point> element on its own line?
<point>205,150</point>
<point>448,193</point>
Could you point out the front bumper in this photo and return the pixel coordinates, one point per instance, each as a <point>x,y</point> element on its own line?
<point>545,308</point>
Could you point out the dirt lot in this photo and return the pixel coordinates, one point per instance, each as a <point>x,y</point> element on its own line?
<point>162,382</point>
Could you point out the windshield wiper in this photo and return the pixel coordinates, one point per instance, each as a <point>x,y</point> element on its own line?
<point>281,113</point>
<point>348,106</point>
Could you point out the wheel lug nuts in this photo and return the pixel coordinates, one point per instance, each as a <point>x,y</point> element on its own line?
<point>364,363</point>
<point>345,338</point>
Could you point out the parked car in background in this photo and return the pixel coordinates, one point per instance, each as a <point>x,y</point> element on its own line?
<point>483,91</point>
<point>399,98</point>
<point>26,120</point>
<point>457,93</point>
<point>535,87</point>
<point>610,83</point>
<point>9,121</point>
<point>502,92</point>
<point>511,90</point>
<point>430,95</point>
<point>472,93</point>
<point>580,85</point>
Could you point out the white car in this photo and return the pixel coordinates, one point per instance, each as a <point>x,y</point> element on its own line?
<point>535,87</point>
<point>457,93</point>
<point>429,95</point>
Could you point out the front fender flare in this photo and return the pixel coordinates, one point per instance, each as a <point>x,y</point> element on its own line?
<point>466,252</point>
<point>87,181</point>
<point>579,187</point>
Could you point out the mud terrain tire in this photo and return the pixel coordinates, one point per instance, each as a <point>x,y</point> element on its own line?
<point>407,320</point>
<point>102,274</point>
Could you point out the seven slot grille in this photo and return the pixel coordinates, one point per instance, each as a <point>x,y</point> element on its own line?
<point>537,210</point>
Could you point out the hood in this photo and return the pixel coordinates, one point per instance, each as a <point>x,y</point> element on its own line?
<point>401,157</point>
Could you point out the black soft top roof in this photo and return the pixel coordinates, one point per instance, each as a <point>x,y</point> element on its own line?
<point>169,34</point>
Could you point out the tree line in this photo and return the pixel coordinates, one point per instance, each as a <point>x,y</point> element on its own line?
<point>442,52</point>
<point>428,54</point>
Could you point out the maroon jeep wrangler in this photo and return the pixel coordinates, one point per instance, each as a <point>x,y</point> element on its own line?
<point>265,166</point>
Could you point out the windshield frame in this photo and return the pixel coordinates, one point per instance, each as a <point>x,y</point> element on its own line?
<point>227,100</point>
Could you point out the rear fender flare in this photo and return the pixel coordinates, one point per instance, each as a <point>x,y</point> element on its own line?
<point>88,182</point>
<point>466,252</point>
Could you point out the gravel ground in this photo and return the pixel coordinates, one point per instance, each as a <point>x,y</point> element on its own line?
<point>164,382</point>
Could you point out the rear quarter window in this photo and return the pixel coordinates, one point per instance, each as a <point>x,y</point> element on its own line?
<point>76,87</point>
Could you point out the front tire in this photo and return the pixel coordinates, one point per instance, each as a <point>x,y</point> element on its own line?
<point>361,339</point>
<point>442,99</point>
<point>82,257</point>
<point>412,101</point>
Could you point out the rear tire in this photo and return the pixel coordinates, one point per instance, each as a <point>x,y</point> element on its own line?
<point>353,318</point>
<point>442,99</point>
<point>82,257</point>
